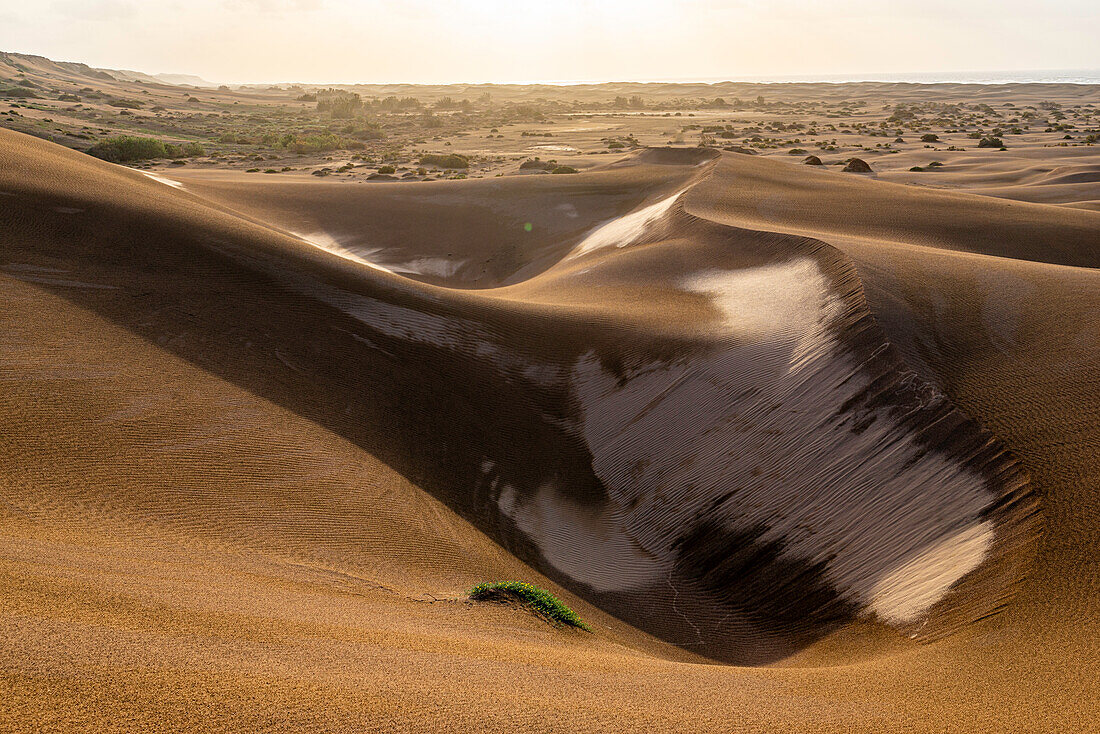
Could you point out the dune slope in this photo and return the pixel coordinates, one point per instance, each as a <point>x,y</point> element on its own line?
<point>697,431</point>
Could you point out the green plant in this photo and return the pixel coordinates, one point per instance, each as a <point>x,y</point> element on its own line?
<point>387,169</point>
<point>991,143</point>
<point>123,148</point>
<point>564,169</point>
<point>929,138</point>
<point>540,601</point>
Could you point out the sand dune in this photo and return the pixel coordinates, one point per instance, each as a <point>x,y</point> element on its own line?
<point>837,434</point>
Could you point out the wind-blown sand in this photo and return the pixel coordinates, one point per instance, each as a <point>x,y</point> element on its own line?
<point>809,451</point>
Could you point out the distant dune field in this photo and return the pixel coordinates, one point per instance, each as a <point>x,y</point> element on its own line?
<point>808,450</point>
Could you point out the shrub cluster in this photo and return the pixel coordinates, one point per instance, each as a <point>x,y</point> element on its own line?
<point>124,148</point>
<point>445,160</point>
<point>19,92</point>
<point>338,103</point>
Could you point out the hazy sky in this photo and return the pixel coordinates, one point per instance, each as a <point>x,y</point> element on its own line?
<point>512,40</point>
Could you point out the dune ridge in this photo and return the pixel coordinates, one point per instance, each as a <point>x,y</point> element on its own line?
<point>684,416</point>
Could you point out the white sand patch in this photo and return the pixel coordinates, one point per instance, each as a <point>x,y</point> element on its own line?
<point>749,433</point>
<point>163,179</point>
<point>555,148</point>
<point>905,593</point>
<point>440,267</point>
<point>327,242</point>
<point>626,229</point>
<point>588,544</point>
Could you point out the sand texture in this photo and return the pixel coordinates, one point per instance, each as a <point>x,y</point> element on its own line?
<point>809,450</point>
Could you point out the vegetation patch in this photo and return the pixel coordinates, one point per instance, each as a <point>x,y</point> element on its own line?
<point>540,601</point>
<point>124,148</point>
<point>445,160</point>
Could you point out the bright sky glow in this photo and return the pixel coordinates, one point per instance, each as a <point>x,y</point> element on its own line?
<point>510,40</point>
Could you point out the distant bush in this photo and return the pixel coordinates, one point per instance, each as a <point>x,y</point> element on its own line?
<point>123,148</point>
<point>929,138</point>
<point>19,92</point>
<point>857,165</point>
<point>796,151</point>
<point>68,98</point>
<point>338,103</point>
<point>387,169</point>
<point>189,149</point>
<point>311,143</point>
<point>991,143</point>
<point>564,169</point>
<point>448,160</point>
<point>540,601</point>
<point>130,104</point>
<point>534,164</point>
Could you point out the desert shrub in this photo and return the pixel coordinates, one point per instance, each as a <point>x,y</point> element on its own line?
<point>122,148</point>
<point>796,151</point>
<point>338,103</point>
<point>615,144</point>
<point>19,92</point>
<point>312,142</point>
<point>857,165</point>
<point>387,169</point>
<point>916,168</point>
<point>370,131</point>
<point>130,104</point>
<point>929,138</point>
<point>68,98</point>
<point>991,143</point>
<point>564,169</point>
<point>540,601</point>
<point>447,160</point>
<point>534,164</point>
<point>190,149</point>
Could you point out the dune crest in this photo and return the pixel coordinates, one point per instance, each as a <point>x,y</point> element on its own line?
<point>699,428</point>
